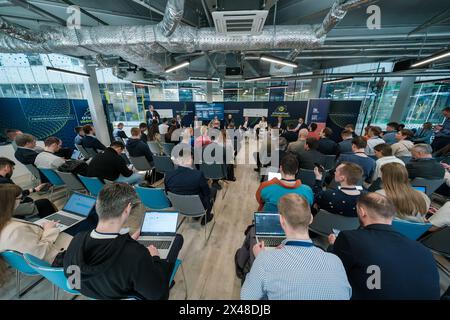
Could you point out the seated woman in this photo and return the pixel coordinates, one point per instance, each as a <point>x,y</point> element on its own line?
<point>44,242</point>
<point>411,205</point>
<point>341,200</point>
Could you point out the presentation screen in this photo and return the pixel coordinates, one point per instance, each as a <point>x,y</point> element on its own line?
<point>207,111</point>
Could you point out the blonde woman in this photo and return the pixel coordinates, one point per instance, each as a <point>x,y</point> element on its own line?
<point>411,204</point>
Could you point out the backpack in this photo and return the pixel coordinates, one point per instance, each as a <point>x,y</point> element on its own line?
<point>75,167</point>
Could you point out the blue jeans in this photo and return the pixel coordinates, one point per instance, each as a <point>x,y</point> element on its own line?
<point>135,178</point>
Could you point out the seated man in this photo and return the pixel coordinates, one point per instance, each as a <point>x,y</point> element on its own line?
<point>391,132</point>
<point>26,151</point>
<point>47,158</point>
<point>11,135</point>
<point>373,134</point>
<point>380,262</point>
<point>341,200</point>
<point>186,180</point>
<point>359,157</point>
<point>298,147</point>
<point>27,206</point>
<point>345,146</point>
<point>111,166</point>
<point>79,137</point>
<point>138,148</point>
<point>113,264</point>
<point>269,192</point>
<point>326,145</point>
<point>118,132</point>
<point>290,135</point>
<point>297,270</point>
<point>89,140</point>
<point>311,156</point>
<point>423,165</point>
<point>143,128</point>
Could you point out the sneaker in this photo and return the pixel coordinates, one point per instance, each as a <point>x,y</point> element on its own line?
<point>210,217</point>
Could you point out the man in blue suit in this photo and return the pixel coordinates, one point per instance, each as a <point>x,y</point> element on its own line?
<point>382,264</point>
<point>186,180</point>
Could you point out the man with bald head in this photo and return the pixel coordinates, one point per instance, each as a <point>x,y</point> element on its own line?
<point>382,264</point>
<point>298,146</point>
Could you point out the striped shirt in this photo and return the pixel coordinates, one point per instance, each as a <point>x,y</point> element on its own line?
<point>296,273</point>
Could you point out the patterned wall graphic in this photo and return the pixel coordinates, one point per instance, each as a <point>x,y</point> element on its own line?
<point>341,113</point>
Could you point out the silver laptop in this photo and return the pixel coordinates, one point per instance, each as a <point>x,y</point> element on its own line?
<point>76,209</point>
<point>268,229</point>
<point>159,229</point>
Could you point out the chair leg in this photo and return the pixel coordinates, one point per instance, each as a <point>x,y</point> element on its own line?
<point>18,283</point>
<point>212,227</point>
<point>185,283</point>
<point>55,292</point>
<point>28,289</point>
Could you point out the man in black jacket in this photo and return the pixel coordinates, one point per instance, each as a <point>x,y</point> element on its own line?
<point>326,145</point>
<point>290,135</point>
<point>112,264</point>
<point>423,165</point>
<point>151,115</point>
<point>137,148</point>
<point>111,166</point>
<point>311,156</point>
<point>186,180</point>
<point>26,144</point>
<point>382,263</point>
<point>89,140</point>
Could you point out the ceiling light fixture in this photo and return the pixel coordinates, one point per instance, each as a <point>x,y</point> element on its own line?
<point>257,78</point>
<point>277,87</point>
<point>73,73</point>
<point>280,61</point>
<point>337,80</point>
<point>177,66</point>
<point>142,83</point>
<point>200,79</point>
<point>437,56</point>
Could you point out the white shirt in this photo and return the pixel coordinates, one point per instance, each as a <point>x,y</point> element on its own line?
<point>163,128</point>
<point>381,162</point>
<point>48,160</point>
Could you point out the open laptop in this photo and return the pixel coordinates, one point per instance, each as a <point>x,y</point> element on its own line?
<point>420,188</point>
<point>272,175</point>
<point>268,229</point>
<point>159,229</point>
<point>76,209</point>
<point>76,155</point>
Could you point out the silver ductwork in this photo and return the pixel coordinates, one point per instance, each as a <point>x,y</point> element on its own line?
<point>149,46</point>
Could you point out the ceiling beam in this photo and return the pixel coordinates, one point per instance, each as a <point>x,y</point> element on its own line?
<point>31,7</point>
<point>148,5</point>
<point>439,18</point>
<point>70,3</point>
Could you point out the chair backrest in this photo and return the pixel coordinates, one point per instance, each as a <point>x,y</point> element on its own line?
<point>213,171</point>
<point>329,161</point>
<point>55,275</point>
<point>411,230</point>
<point>71,182</point>
<point>51,175</point>
<point>83,151</point>
<point>33,170</point>
<point>175,269</point>
<point>92,153</point>
<point>188,205</point>
<point>307,177</point>
<point>17,261</point>
<point>167,148</point>
<point>324,222</point>
<point>153,198</point>
<point>92,184</point>
<point>405,159</point>
<point>154,147</point>
<point>438,241</point>
<point>163,164</point>
<point>140,163</point>
<point>430,185</point>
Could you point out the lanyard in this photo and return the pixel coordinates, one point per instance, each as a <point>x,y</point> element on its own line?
<point>299,243</point>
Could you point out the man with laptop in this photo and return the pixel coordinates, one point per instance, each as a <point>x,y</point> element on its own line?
<point>113,264</point>
<point>295,270</point>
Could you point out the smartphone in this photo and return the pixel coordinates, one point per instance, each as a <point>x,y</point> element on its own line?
<point>320,167</point>
<point>336,232</point>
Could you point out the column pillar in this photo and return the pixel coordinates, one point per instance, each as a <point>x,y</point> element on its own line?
<point>316,86</point>
<point>401,103</point>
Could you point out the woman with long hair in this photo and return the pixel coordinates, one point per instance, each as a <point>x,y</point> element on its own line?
<point>44,242</point>
<point>410,204</point>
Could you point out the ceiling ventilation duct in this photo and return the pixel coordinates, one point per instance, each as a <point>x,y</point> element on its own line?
<point>239,22</point>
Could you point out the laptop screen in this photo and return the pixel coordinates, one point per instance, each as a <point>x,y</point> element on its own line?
<point>80,204</point>
<point>422,189</point>
<point>268,224</point>
<point>159,223</point>
<point>272,175</point>
<point>75,155</point>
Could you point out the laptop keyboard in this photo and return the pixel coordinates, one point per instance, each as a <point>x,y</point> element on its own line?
<point>271,242</point>
<point>158,244</point>
<point>62,219</point>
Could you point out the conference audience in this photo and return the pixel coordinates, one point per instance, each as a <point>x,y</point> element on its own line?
<point>298,147</point>
<point>313,132</point>
<point>383,152</point>
<point>374,134</point>
<point>442,135</point>
<point>290,134</point>
<point>137,148</point>
<point>423,165</point>
<point>311,156</point>
<point>382,264</point>
<point>113,264</point>
<point>359,156</point>
<point>89,140</point>
<point>111,166</point>
<point>403,147</point>
<point>424,134</point>
<point>27,206</point>
<point>143,128</point>
<point>186,180</point>
<point>47,158</point>
<point>297,270</point>
<point>79,136</point>
<point>410,204</point>
<point>44,242</point>
<point>269,192</point>
<point>118,133</point>
<point>341,200</point>
<point>345,146</point>
<point>391,132</point>
<point>326,145</point>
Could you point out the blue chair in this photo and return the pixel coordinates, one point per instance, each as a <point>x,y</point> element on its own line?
<point>153,198</point>
<point>92,184</point>
<point>174,272</point>
<point>56,276</point>
<point>16,261</point>
<point>411,230</point>
<point>53,178</point>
